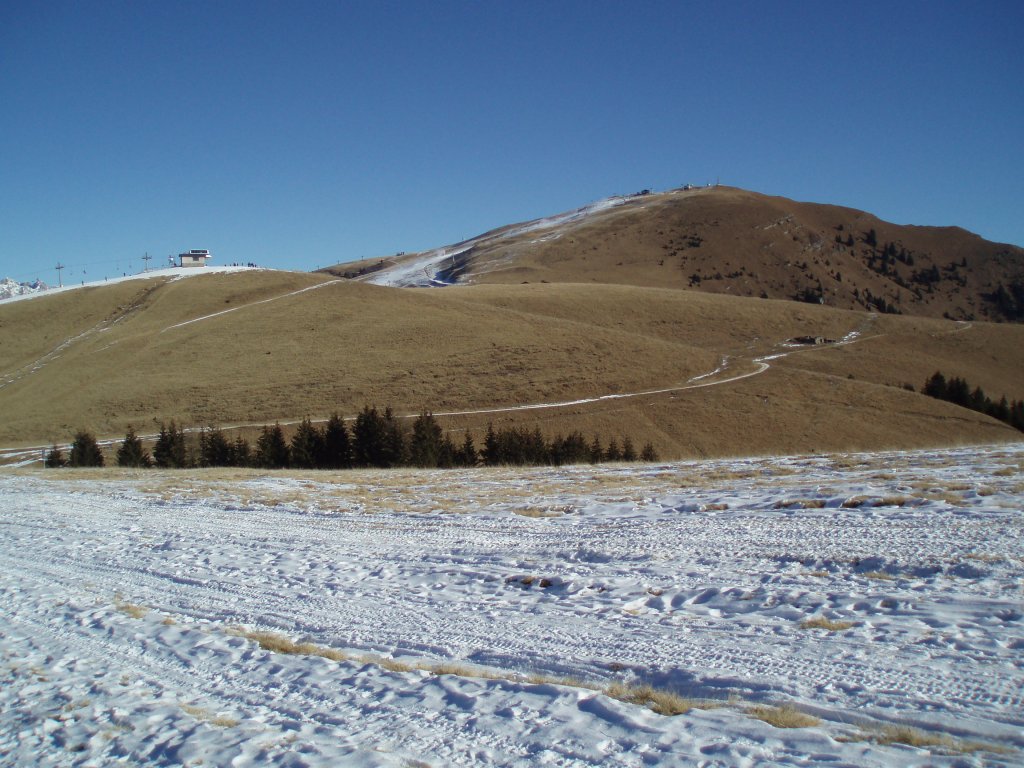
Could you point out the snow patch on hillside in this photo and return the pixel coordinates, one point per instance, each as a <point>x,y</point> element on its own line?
<point>169,272</point>
<point>426,269</point>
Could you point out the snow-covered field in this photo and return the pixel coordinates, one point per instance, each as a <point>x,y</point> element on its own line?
<point>479,617</point>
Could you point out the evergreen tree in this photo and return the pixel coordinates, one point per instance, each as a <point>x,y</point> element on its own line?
<point>628,452</point>
<point>337,447</point>
<point>446,458</point>
<point>648,453</point>
<point>307,449</point>
<point>596,451</point>
<point>241,453</point>
<point>395,444</point>
<point>425,446</point>
<point>613,453</point>
<point>214,449</point>
<point>490,455</point>
<point>271,448</point>
<point>368,438</point>
<point>131,453</point>
<point>54,458</point>
<point>466,456</point>
<point>957,391</point>
<point>169,451</point>
<point>85,451</point>
<point>935,386</point>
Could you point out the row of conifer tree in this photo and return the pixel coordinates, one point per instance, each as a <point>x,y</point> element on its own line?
<point>958,391</point>
<point>376,439</point>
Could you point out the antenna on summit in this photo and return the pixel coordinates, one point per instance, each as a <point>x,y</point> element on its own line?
<point>146,259</point>
<point>60,283</point>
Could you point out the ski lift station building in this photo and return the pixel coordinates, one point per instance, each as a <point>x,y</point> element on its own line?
<point>197,257</point>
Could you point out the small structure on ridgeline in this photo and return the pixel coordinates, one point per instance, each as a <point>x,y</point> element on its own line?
<point>812,340</point>
<point>197,257</point>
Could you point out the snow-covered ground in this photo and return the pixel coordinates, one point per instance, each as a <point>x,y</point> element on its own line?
<point>477,617</point>
<point>171,272</point>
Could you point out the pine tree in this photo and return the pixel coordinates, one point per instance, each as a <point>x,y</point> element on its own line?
<point>490,453</point>
<point>425,446</point>
<point>466,456</point>
<point>628,452</point>
<point>648,453</point>
<point>131,453</point>
<point>307,448</point>
<point>395,444</point>
<point>169,451</point>
<point>368,438</point>
<point>214,449</point>
<point>596,451</point>
<point>54,458</point>
<point>613,453</point>
<point>446,458</point>
<point>271,448</point>
<point>241,453</point>
<point>85,451</point>
<point>336,444</point>
<point>936,386</point>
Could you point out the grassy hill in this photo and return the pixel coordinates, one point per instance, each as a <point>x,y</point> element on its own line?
<point>731,241</point>
<point>255,347</point>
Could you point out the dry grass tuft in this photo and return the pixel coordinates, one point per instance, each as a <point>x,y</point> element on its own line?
<point>659,701</point>
<point>391,665</point>
<point>920,739</point>
<point>800,504</point>
<point>221,721</point>
<point>879,575</point>
<point>827,624</point>
<point>786,716</point>
<point>278,643</point>
<point>131,609</point>
<point>538,512</point>
<point>719,506</point>
<point>893,501</point>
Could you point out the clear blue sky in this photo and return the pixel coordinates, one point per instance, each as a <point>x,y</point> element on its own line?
<point>304,134</point>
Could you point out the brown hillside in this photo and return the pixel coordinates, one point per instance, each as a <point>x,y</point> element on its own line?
<point>254,347</point>
<point>730,241</point>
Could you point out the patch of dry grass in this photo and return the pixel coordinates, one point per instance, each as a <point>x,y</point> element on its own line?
<point>786,716</point>
<point>829,625</point>
<point>130,609</point>
<point>221,721</point>
<point>927,740</point>
<point>800,504</point>
<point>538,512</point>
<point>659,701</point>
<point>276,642</point>
<point>879,576</point>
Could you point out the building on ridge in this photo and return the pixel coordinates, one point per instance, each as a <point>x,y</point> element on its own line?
<point>197,257</point>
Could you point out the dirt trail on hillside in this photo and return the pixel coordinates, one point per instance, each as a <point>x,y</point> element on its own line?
<point>712,378</point>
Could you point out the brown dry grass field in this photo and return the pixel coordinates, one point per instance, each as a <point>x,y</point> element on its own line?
<point>743,243</point>
<point>274,354</point>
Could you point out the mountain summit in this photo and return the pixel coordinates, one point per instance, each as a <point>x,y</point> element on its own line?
<point>732,241</point>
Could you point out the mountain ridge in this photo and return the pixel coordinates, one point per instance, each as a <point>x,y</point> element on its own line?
<point>728,240</point>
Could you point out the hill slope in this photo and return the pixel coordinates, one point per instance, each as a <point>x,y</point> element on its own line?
<point>725,240</point>
<point>695,373</point>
